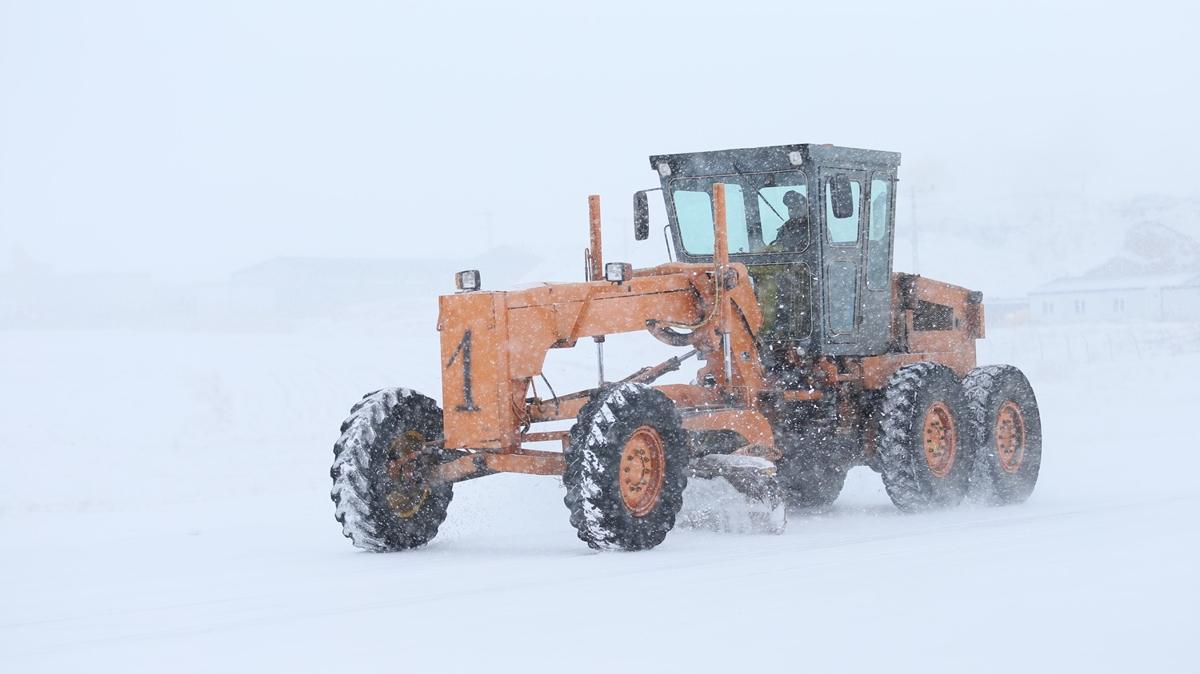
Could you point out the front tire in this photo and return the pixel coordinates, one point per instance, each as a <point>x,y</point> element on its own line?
<point>924,438</point>
<point>1008,431</point>
<point>626,468</point>
<point>388,444</point>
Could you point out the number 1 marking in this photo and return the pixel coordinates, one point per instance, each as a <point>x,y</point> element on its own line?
<point>464,347</point>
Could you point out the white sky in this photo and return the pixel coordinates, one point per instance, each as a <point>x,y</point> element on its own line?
<point>187,139</point>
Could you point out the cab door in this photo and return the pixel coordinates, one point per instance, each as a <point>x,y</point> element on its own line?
<point>856,312</point>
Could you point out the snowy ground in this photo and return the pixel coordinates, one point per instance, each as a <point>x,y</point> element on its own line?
<point>165,507</point>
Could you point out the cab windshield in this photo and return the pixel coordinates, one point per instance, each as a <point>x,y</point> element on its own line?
<point>765,212</point>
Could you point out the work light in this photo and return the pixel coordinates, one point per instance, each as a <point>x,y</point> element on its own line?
<point>467,280</point>
<point>618,272</point>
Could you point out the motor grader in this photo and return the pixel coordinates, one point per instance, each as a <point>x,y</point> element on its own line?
<point>815,357</point>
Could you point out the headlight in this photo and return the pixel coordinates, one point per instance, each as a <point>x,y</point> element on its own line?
<point>618,272</point>
<point>467,280</point>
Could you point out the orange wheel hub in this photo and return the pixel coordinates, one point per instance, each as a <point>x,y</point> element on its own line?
<point>1010,436</point>
<point>940,438</point>
<point>407,493</point>
<point>643,465</point>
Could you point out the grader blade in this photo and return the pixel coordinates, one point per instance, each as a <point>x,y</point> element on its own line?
<point>733,493</point>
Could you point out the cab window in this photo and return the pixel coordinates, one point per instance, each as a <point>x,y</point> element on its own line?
<point>693,208</point>
<point>840,280</point>
<point>782,227</point>
<point>878,230</point>
<point>842,230</point>
<point>784,293</point>
<point>766,212</point>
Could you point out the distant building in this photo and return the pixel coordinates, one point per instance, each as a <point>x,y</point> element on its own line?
<point>1154,277</point>
<point>1171,296</point>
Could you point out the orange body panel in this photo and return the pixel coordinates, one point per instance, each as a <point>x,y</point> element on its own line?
<point>475,364</point>
<point>954,348</point>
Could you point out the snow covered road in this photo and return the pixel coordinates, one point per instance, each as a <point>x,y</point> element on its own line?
<point>190,530</point>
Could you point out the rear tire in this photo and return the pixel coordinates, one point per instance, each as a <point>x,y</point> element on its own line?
<point>1008,432</point>
<point>378,472</point>
<point>626,468</point>
<point>925,438</point>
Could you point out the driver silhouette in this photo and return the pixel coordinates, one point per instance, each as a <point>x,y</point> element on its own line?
<point>793,234</point>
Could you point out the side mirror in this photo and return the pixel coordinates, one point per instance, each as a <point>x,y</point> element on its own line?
<point>641,216</point>
<point>841,196</point>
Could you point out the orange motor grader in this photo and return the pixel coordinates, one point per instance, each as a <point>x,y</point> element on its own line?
<point>816,357</point>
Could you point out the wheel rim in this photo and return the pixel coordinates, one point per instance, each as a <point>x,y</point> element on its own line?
<point>1010,436</point>
<point>643,464</point>
<point>941,439</point>
<point>407,493</point>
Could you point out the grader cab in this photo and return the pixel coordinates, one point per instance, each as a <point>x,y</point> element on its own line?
<point>816,357</point>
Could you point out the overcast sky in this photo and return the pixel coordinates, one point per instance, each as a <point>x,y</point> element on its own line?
<point>187,139</point>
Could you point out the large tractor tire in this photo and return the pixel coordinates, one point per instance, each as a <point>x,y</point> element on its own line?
<point>1008,434</point>
<point>626,468</point>
<point>380,461</point>
<point>811,471</point>
<point>924,440</point>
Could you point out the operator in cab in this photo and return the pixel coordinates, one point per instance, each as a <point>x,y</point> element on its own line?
<point>793,234</point>
<point>783,292</point>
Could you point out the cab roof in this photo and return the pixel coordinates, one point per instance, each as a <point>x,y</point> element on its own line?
<point>772,158</point>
